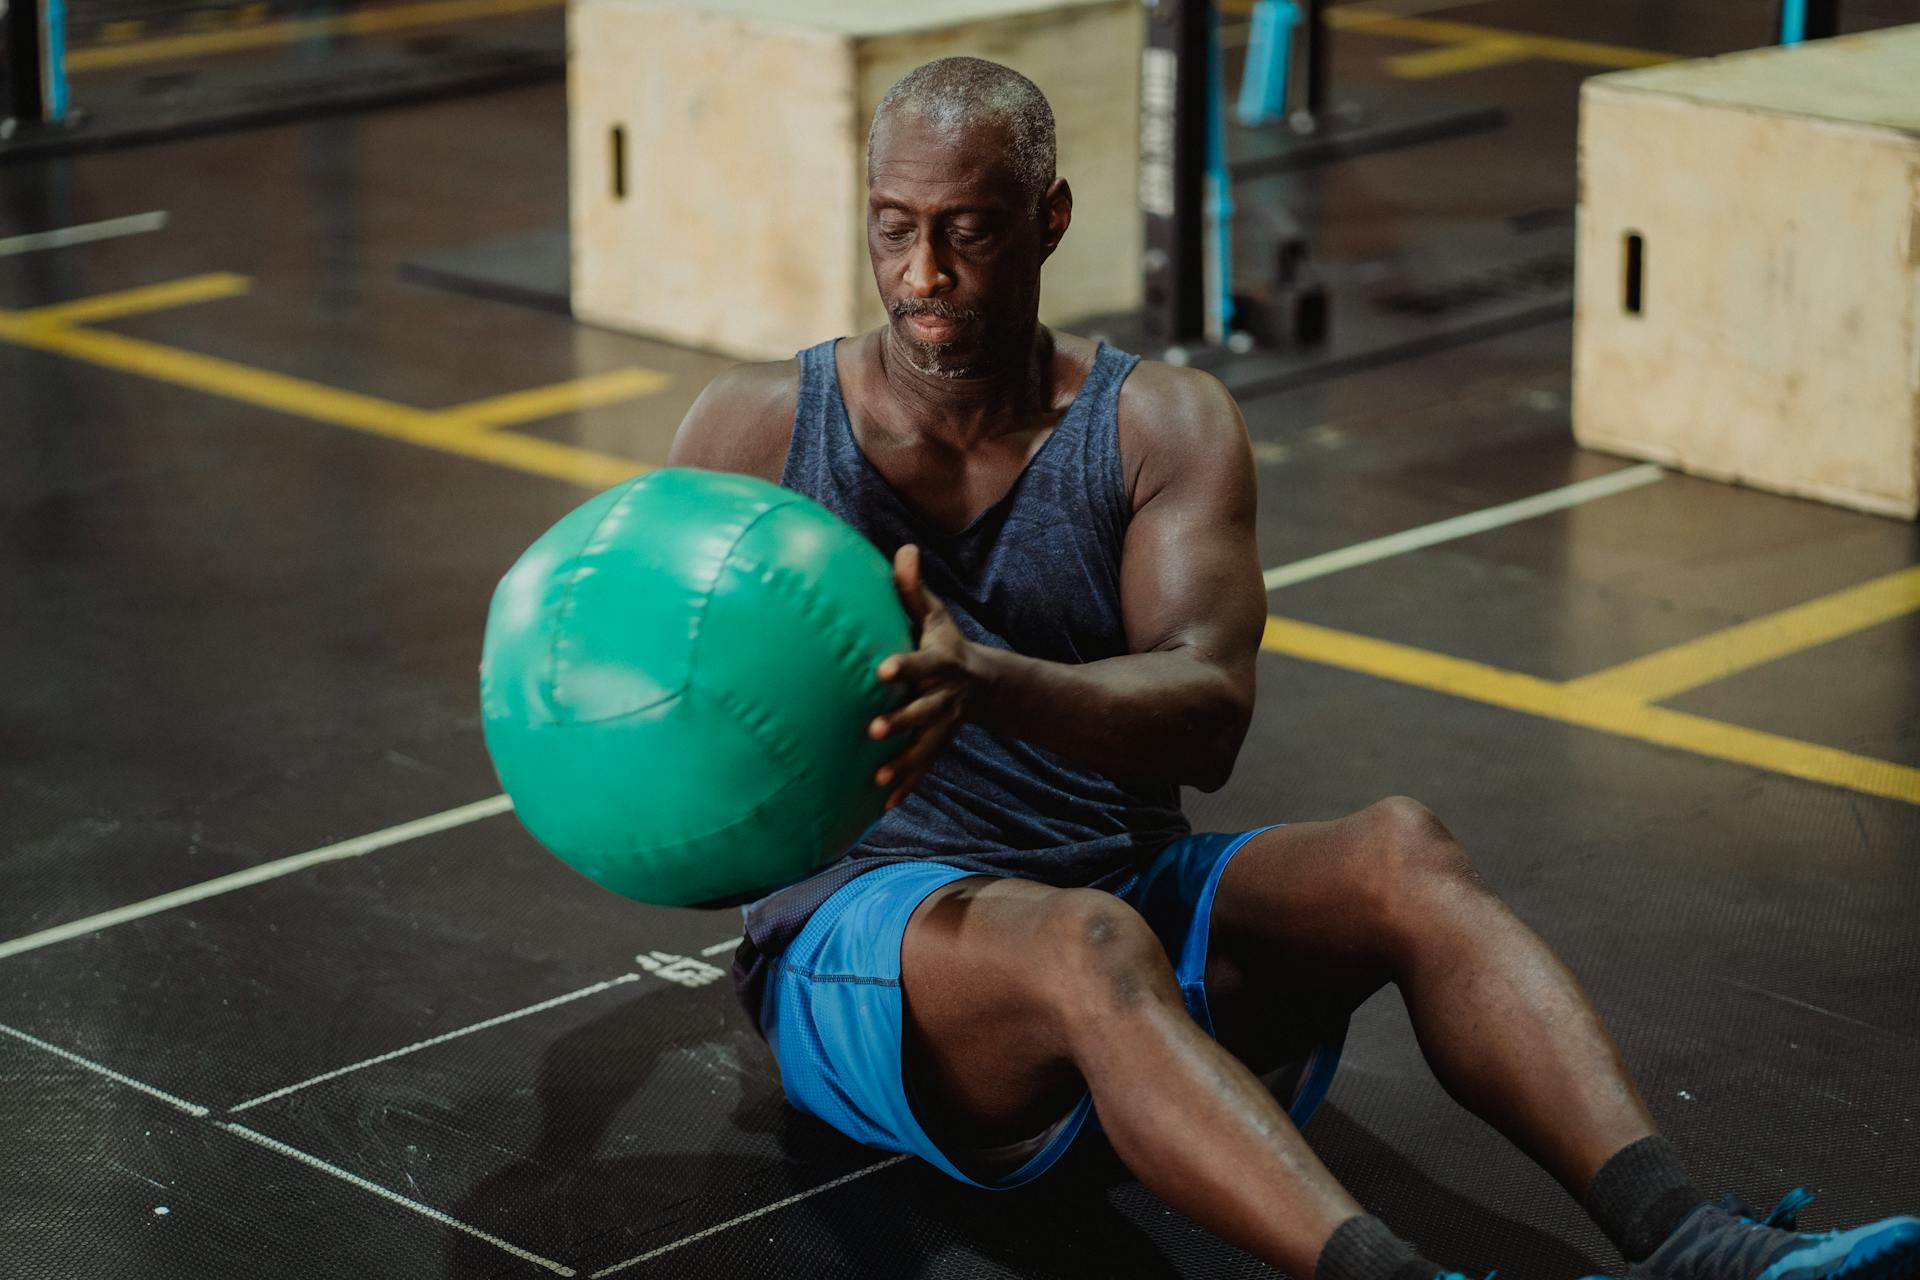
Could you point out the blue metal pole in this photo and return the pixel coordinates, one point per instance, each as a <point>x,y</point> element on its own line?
<point>1218,205</point>
<point>1793,21</point>
<point>55,15</point>
<point>1263,81</point>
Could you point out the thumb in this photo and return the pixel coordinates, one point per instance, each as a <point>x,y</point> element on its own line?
<point>906,579</point>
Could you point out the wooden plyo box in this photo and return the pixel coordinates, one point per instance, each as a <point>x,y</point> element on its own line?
<point>1747,298</point>
<point>718,156</point>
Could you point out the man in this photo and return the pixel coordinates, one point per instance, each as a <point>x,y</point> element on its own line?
<point>1031,930</point>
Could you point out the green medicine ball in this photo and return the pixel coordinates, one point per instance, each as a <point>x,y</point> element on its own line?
<point>676,683</point>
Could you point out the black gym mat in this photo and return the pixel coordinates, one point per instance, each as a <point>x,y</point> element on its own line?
<point>178,101</point>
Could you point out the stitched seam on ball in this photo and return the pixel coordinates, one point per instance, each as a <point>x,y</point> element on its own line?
<point>747,714</point>
<point>847,643</point>
<point>792,585</point>
<point>746,819</point>
<point>706,599</point>
<point>699,631</point>
<point>700,612</point>
<point>565,608</point>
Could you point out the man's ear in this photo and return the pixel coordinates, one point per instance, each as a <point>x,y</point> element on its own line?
<point>1057,211</point>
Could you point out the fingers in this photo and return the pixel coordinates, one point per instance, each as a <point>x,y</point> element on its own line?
<point>904,772</point>
<point>906,567</point>
<point>912,668</point>
<point>917,758</point>
<point>907,783</point>
<point>904,790</point>
<point>916,715</point>
<point>933,718</point>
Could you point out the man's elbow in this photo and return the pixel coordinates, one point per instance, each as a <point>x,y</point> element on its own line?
<point>1221,748</point>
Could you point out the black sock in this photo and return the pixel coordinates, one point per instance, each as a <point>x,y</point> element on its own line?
<point>1640,1196</point>
<point>1363,1249</point>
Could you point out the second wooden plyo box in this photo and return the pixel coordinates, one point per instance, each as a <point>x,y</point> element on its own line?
<point>1748,282</point>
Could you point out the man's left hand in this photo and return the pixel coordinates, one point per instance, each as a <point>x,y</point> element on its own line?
<point>942,671</point>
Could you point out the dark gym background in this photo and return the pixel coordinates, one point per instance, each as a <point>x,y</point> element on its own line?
<point>259,472</point>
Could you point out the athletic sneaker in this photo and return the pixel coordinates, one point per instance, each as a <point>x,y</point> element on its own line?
<point>1723,1241</point>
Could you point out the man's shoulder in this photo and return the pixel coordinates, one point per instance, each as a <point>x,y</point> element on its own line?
<point>742,422</point>
<point>1172,396</point>
<point>767,390</point>
<point>1168,415</point>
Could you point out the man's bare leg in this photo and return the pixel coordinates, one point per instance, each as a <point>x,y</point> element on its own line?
<point>1387,895</point>
<point>1016,994</point>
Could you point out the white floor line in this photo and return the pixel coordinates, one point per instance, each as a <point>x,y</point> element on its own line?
<point>132,225</point>
<point>375,1061</point>
<point>255,875</point>
<point>745,1217</point>
<point>315,1162</point>
<point>718,947</point>
<point>190,1108</point>
<point>1464,526</point>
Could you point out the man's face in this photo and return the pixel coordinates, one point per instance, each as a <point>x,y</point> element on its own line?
<point>956,252</point>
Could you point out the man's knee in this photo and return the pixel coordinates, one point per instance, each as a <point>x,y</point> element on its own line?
<point>1099,958</point>
<point>1412,855</point>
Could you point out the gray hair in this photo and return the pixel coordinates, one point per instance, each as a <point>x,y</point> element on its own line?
<point>960,93</point>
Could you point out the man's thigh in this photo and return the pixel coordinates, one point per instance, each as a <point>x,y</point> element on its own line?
<point>1293,949</point>
<point>984,1054</point>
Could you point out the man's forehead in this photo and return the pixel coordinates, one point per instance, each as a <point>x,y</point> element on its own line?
<point>915,159</point>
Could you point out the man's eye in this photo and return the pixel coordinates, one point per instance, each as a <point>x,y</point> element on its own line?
<point>895,235</point>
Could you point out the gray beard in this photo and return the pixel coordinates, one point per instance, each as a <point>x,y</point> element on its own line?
<point>933,359</point>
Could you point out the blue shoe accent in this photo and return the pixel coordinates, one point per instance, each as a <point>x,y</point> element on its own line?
<point>1884,1250</point>
<point>1724,1241</point>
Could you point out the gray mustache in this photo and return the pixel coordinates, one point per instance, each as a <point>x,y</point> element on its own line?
<point>938,308</point>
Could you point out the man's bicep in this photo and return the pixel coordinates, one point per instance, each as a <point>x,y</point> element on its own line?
<point>741,422</point>
<point>1190,571</point>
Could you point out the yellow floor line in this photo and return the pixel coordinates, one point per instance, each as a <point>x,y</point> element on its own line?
<point>1447,60</point>
<point>564,397</point>
<point>1582,53</point>
<point>1763,640</point>
<point>1591,703</point>
<point>133,302</point>
<point>399,17</point>
<point>446,432</point>
<point>1591,709</point>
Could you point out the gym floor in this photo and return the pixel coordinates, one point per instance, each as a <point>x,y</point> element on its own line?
<point>283,990</point>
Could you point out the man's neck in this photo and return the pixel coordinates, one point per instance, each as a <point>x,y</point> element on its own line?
<point>962,412</point>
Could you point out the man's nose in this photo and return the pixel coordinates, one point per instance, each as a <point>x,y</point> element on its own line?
<point>924,276</point>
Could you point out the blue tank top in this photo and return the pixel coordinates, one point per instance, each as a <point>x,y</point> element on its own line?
<point>1038,573</point>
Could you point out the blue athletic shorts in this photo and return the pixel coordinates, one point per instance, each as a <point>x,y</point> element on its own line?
<point>832,1014</point>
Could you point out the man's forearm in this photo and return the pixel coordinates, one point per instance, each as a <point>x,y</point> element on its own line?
<point>1168,716</point>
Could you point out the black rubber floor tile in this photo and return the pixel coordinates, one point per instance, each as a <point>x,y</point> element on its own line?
<point>239,995</point>
<point>105,1182</point>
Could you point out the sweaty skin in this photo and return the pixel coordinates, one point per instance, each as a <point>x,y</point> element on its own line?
<point>1019,996</point>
